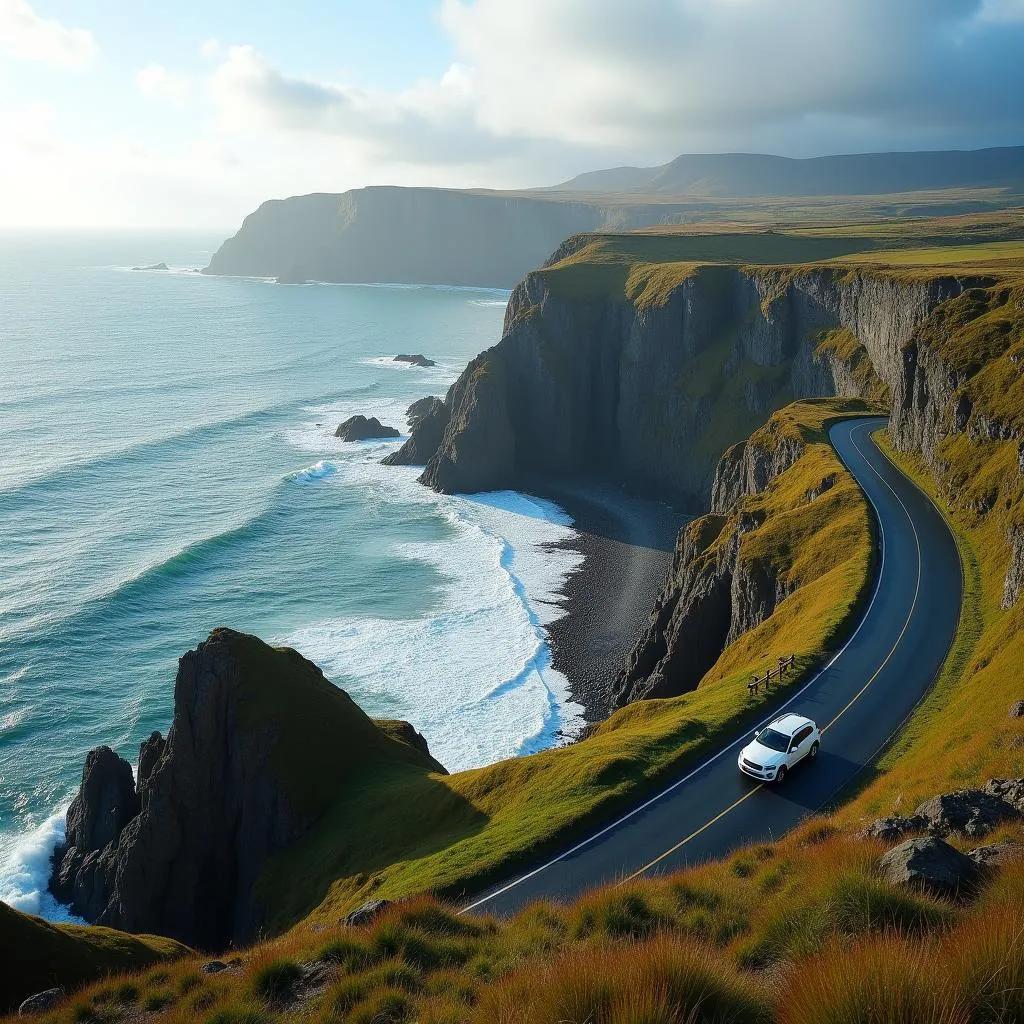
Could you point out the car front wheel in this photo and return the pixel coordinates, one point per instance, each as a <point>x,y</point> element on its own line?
<point>814,750</point>
<point>780,775</point>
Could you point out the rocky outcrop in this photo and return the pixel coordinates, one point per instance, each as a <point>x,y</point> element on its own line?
<point>970,812</point>
<point>239,778</point>
<point>428,420</point>
<point>930,864</point>
<point>651,393</point>
<point>359,428</point>
<point>997,855</point>
<point>712,595</point>
<point>966,812</point>
<point>415,360</point>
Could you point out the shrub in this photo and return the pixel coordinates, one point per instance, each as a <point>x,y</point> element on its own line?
<point>348,993</point>
<point>157,1001</point>
<point>187,982</point>
<point>864,905</point>
<point>275,982</point>
<point>438,920</point>
<point>126,993</point>
<point>386,1007</point>
<point>236,1017</point>
<point>884,979</point>
<point>658,980</point>
<point>351,954</point>
<point>986,956</point>
<point>619,914</point>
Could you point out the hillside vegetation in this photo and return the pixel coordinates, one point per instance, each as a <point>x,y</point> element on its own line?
<point>805,929</point>
<point>38,955</point>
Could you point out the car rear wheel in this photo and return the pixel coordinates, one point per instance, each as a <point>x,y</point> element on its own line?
<point>780,775</point>
<point>814,750</point>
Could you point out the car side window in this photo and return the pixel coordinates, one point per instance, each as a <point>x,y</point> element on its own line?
<point>803,734</point>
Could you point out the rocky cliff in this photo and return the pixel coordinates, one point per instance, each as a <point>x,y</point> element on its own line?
<point>731,569</point>
<point>416,235</point>
<point>259,747</point>
<point>649,382</point>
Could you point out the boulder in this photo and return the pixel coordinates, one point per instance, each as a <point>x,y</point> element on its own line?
<point>153,266</point>
<point>359,428</point>
<point>428,420</point>
<point>415,360</point>
<point>1010,790</point>
<point>972,812</point>
<point>997,854</point>
<point>213,967</point>
<point>367,913</point>
<point>930,864</point>
<point>1017,709</point>
<point>894,827</point>
<point>41,1002</point>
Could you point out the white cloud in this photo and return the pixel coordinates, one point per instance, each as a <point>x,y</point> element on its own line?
<point>157,82</point>
<point>537,90</point>
<point>27,36</point>
<point>571,83</point>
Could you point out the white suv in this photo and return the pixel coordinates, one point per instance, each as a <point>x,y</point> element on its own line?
<point>778,747</point>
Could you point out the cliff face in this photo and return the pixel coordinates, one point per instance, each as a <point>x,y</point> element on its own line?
<point>259,745</point>
<point>729,572</point>
<point>651,392</point>
<point>414,235</point>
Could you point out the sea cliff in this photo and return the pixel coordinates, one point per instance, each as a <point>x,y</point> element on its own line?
<point>648,377</point>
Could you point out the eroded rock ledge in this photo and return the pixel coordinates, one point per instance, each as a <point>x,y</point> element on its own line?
<point>259,746</point>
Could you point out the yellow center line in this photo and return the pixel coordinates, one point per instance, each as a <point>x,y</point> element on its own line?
<point>906,625</point>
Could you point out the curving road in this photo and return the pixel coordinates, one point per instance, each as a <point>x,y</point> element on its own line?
<point>860,698</point>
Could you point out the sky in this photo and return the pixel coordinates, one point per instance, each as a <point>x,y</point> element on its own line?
<point>139,113</point>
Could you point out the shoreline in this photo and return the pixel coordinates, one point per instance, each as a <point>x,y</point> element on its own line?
<point>627,544</point>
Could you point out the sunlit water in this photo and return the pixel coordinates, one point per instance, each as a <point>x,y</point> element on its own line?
<point>167,465</point>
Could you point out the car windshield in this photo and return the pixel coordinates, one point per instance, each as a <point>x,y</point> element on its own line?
<point>773,740</point>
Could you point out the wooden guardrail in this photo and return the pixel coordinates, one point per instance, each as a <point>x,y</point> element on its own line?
<point>770,676</point>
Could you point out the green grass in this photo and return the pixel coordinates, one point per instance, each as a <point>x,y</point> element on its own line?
<point>38,955</point>
<point>942,255</point>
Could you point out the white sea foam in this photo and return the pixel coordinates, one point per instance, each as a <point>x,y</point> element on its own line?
<point>25,871</point>
<point>318,471</point>
<point>475,674</point>
<point>489,302</point>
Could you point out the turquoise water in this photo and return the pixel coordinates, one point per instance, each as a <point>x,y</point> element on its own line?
<point>167,465</point>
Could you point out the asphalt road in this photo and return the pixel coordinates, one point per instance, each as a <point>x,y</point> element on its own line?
<point>859,699</point>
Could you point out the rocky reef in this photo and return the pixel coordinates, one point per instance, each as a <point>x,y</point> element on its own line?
<point>259,746</point>
<point>361,428</point>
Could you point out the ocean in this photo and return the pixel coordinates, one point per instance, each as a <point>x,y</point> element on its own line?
<point>168,466</point>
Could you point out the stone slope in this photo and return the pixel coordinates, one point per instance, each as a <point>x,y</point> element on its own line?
<point>259,746</point>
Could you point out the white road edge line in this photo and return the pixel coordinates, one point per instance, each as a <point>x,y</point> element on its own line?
<point>860,693</point>
<point>704,764</point>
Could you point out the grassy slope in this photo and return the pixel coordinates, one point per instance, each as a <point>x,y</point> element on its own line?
<point>644,266</point>
<point>449,833</point>
<point>962,734</point>
<point>38,955</point>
